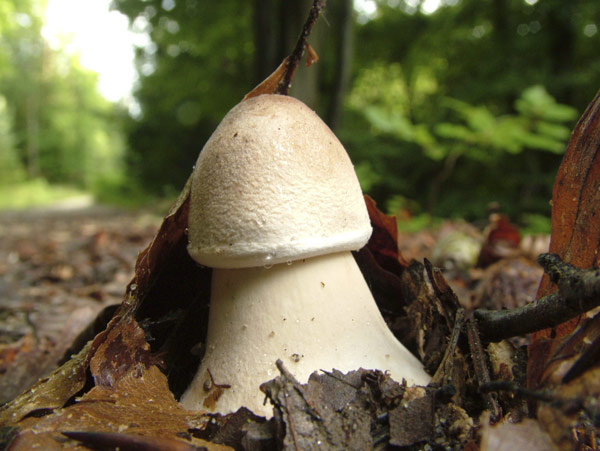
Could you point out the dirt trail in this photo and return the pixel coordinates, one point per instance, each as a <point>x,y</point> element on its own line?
<point>59,267</point>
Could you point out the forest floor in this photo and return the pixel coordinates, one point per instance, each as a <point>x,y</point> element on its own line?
<point>60,266</point>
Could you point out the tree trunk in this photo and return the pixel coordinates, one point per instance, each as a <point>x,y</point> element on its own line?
<point>562,47</point>
<point>265,38</point>
<point>342,12</point>
<point>32,146</point>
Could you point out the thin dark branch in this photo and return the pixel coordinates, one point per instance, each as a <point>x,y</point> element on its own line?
<point>288,378</point>
<point>567,405</point>
<point>578,292</point>
<point>588,358</point>
<point>512,387</point>
<point>479,363</point>
<point>443,291</point>
<point>296,56</point>
<point>443,374</point>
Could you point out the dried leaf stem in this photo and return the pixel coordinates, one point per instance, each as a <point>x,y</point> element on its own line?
<point>480,366</point>
<point>578,292</point>
<point>443,374</point>
<point>296,56</point>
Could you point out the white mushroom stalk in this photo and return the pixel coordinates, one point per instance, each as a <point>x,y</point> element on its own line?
<point>276,209</point>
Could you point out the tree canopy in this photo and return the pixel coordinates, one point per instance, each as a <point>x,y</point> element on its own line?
<point>55,123</point>
<point>442,112</point>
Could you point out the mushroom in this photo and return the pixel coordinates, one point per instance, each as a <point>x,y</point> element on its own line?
<point>276,209</point>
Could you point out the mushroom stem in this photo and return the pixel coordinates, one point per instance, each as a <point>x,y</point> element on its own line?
<point>316,313</point>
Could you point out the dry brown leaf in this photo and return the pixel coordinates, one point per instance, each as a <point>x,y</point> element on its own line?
<point>412,422</point>
<point>49,393</point>
<point>311,56</point>
<point>123,349</point>
<point>383,243</point>
<point>139,403</point>
<point>269,84</point>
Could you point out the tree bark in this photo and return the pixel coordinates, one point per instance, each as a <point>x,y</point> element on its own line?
<point>265,39</point>
<point>342,11</point>
<point>32,143</point>
<point>562,46</point>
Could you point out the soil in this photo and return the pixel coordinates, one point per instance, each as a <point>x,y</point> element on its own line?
<point>59,267</point>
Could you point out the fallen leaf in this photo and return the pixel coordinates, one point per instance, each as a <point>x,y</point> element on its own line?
<point>502,240</point>
<point>269,84</point>
<point>50,393</point>
<point>412,422</point>
<point>384,240</point>
<point>138,404</point>
<point>575,222</point>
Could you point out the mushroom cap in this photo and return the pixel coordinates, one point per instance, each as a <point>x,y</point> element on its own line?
<point>273,184</point>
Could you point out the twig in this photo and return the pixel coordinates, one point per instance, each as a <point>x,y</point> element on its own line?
<point>567,405</point>
<point>294,59</point>
<point>480,365</point>
<point>578,292</point>
<point>512,387</point>
<point>288,378</point>
<point>339,379</point>
<point>442,374</point>
<point>586,360</point>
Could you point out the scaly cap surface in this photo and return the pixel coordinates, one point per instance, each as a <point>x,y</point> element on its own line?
<point>274,184</point>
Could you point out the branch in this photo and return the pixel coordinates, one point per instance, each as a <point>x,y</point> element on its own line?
<point>296,56</point>
<point>481,370</point>
<point>578,292</point>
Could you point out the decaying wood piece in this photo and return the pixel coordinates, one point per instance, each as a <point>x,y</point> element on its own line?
<point>578,292</point>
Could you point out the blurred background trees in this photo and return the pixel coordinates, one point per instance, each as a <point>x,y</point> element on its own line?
<point>54,124</point>
<point>442,111</point>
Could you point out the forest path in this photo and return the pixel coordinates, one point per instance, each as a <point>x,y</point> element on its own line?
<point>59,266</point>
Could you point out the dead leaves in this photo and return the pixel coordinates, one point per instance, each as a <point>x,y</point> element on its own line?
<point>361,410</point>
<point>50,393</point>
<point>130,399</point>
<point>138,407</point>
<point>576,202</point>
<point>114,392</point>
<point>58,269</point>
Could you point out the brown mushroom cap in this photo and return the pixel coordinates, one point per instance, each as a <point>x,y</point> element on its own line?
<point>274,184</point>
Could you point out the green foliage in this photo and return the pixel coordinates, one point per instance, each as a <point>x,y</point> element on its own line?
<point>36,193</point>
<point>468,147</point>
<point>533,224</point>
<point>448,111</point>
<point>54,124</point>
<point>11,169</point>
<point>198,66</point>
<point>538,126</point>
<point>121,190</point>
<point>471,104</point>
